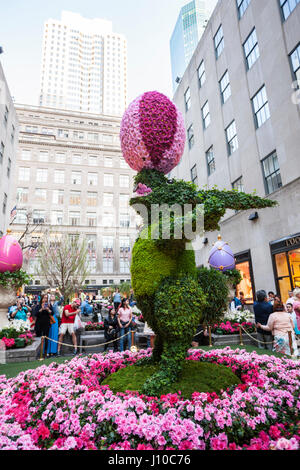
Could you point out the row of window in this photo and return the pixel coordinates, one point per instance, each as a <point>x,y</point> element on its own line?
<point>108,242</point>
<point>66,134</point>
<point>270,167</point>
<point>75,159</point>
<point>261,113</point>
<point>74,219</point>
<point>8,169</point>
<point>75,177</point>
<point>75,197</point>
<point>70,121</point>
<point>287,7</point>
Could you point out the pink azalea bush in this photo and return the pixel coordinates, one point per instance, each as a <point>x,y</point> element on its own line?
<point>232,328</point>
<point>152,133</point>
<point>66,407</point>
<point>92,326</point>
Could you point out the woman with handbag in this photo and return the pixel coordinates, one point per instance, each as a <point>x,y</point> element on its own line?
<point>124,321</point>
<point>111,330</point>
<point>53,332</point>
<point>44,312</point>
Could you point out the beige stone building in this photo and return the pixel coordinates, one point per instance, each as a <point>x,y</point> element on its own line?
<point>242,113</point>
<point>8,150</point>
<point>72,178</point>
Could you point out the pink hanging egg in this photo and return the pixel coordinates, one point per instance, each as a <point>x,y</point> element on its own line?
<point>11,256</point>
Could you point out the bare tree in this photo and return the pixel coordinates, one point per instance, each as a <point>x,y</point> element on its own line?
<point>63,262</point>
<point>31,226</point>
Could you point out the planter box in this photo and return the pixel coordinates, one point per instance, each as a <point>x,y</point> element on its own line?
<point>221,340</point>
<point>30,353</point>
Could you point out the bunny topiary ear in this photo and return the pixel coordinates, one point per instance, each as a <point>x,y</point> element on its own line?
<point>152,133</point>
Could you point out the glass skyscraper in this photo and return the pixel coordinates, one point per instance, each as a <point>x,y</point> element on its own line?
<point>187,33</point>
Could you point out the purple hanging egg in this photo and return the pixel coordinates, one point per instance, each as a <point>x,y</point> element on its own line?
<point>221,256</point>
<point>11,256</point>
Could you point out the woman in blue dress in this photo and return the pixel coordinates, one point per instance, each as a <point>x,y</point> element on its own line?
<point>53,333</point>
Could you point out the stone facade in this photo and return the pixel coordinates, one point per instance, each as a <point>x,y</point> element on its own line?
<point>71,176</point>
<point>243,127</point>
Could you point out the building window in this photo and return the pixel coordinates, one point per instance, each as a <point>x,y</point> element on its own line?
<point>194,175</point>
<point>108,162</point>
<point>93,160</point>
<point>76,159</point>
<point>187,99</point>
<point>124,220</point>
<point>76,177</point>
<point>190,134</point>
<point>60,158</point>
<point>232,140</point>
<point>260,107</point>
<point>108,199</point>
<point>1,152</point>
<point>251,49</point>
<point>92,179</point>
<point>58,196</point>
<point>124,181</point>
<point>108,220</point>
<point>123,200</point>
<point>4,203</point>
<point>5,115</point>
<point>24,174</point>
<point>242,6</point>
<point>288,6</point>
<point>75,198</point>
<point>123,163</point>
<point>56,217</point>
<point>40,195</point>
<point>92,199</point>
<point>108,179</point>
<point>238,185</point>
<point>43,157</point>
<point>91,218</point>
<point>25,155</point>
<point>39,216</point>
<point>8,168</point>
<point>205,115</point>
<point>42,175</point>
<point>225,87</point>
<point>21,217</point>
<point>295,61</point>
<point>59,176</point>
<point>201,74</point>
<point>272,174</point>
<point>210,161</point>
<point>22,195</point>
<point>219,42</point>
<point>74,218</point>
<point>124,266</point>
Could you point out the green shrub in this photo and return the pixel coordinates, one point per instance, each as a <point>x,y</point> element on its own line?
<point>215,286</point>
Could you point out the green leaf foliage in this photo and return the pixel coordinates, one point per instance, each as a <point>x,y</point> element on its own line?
<point>215,286</point>
<point>14,280</point>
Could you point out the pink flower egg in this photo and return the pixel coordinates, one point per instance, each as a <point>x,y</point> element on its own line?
<point>11,256</point>
<point>152,133</point>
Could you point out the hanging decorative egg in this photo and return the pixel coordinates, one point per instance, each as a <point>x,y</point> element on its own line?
<point>221,256</point>
<point>11,256</point>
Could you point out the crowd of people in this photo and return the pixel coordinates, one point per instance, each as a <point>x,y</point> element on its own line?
<point>50,317</point>
<point>278,323</point>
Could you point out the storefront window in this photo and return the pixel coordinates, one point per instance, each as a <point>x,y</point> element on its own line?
<point>245,286</point>
<point>287,271</point>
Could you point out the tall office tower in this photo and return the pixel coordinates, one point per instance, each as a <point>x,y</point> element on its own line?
<point>9,127</point>
<point>189,28</point>
<point>84,66</point>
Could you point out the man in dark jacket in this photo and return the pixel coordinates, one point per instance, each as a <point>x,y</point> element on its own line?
<point>262,311</point>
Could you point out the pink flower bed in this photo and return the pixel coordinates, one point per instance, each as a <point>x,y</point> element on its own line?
<point>65,407</point>
<point>230,328</point>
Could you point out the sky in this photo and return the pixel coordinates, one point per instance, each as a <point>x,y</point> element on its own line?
<point>147,25</point>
